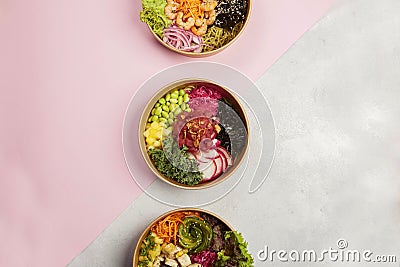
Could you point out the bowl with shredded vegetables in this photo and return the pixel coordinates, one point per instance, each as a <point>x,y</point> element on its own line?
<point>191,237</point>
<point>196,28</point>
<point>193,133</point>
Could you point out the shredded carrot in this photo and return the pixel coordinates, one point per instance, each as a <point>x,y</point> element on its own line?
<point>190,8</point>
<point>167,228</point>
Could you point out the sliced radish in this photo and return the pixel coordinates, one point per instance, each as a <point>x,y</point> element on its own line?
<point>218,164</point>
<point>209,172</point>
<point>204,160</point>
<point>217,143</point>
<point>227,155</point>
<point>213,162</point>
<point>199,156</point>
<point>211,154</point>
<point>196,154</point>
<point>224,160</point>
<point>192,156</point>
<point>204,165</point>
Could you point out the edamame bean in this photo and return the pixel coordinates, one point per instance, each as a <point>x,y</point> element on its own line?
<point>186,98</point>
<point>172,107</point>
<point>154,118</point>
<point>174,95</point>
<point>170,121</point>
<point>183,106</point>
<point>152,111</point>
<point>181,92</point>
<point>165,108</point>
<point>157,105</point>
<point>171,115</point>
<point>163,120</point>
<point>150,119</point>
<point>158,111</point>
<point>177,111</point>
<point>173,100</point>
<point>180,100</point>
<point>189,110</point>
<point>165,114</point>
<point>168,97</point>
<point>162,101</point>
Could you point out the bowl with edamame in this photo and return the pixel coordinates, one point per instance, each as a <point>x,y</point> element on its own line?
<point>193,133</point>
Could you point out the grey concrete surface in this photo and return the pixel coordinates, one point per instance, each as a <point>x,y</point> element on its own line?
<point>335,99</point>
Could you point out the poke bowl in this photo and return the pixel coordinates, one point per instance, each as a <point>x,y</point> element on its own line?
<point>196,28</point>
<point>191,238</point>
<point>193,133</point>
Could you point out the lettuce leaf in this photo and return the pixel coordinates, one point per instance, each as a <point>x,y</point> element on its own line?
<point>235,253</point>
<point>153,14</point>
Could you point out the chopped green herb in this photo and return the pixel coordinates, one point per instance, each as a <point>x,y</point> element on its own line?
<point>149,250</point>
<point>174,163</point>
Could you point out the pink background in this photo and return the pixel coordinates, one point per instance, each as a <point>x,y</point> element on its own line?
<point>68,70</point>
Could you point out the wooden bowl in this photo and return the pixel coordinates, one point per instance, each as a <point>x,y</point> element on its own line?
<point>208,53</point>
<point>146,232</point>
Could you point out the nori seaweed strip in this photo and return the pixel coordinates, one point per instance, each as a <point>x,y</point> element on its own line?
<point>233,126</point>
<point>223,136</point>
<point>230,12</point>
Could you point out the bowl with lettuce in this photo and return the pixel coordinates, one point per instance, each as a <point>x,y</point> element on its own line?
<point>193,133</point>
<point>196,28</point>
<point>191,237</point>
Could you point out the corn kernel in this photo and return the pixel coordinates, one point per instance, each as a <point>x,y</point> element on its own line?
<point>157,144</point>
<point>154,125</point>
<point>150,140</point>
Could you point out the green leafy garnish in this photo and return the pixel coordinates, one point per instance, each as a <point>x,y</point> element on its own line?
<point>153,14</point>
<point>235,251</point>
<point>174,163</point>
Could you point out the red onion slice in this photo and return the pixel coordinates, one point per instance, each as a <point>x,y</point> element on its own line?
<point>182,39</point>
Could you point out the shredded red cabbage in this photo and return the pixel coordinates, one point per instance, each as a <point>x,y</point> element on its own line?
<point>206,258</point>
<point>204,99</point>
<point>203,91</point>
<point>182,39</point>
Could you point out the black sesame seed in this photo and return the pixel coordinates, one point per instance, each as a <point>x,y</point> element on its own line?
<point>230,12</point>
